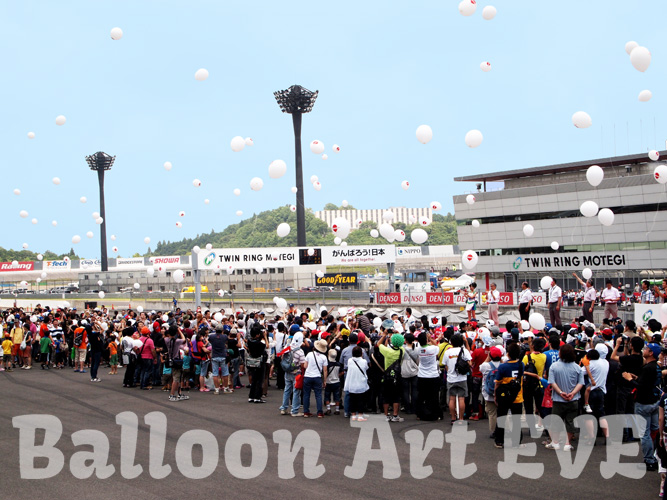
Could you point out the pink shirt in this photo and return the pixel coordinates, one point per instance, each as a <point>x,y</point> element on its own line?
<point>147,352</point>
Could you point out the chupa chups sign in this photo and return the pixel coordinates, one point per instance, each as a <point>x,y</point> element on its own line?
<point>21,266</point>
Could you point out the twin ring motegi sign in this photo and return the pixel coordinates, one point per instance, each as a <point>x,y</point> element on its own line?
<point>570,261</point>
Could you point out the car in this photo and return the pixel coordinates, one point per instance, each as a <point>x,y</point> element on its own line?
<point>92,292</point>
<point>289,289</point>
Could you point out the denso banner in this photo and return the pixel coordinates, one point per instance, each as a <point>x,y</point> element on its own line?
<point>21,266</point>
<point>56,264</point>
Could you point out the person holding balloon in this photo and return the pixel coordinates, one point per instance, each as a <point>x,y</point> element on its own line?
<point>471,301</point>
<point>589,297</point>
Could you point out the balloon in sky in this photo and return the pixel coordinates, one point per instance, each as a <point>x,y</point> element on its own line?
<point>60,120</point>
<point>283,229</point>
<point>181,213</point>
<point>581,119</point>
<point>660,173</point>
<point>207,201</point>
<point>17,192</point>
<point>294,189</point>
<point>34,221</point>
<point>256,183</point>
<point>201,74</point>
<point>594,175</point>
<point>424,221</point>
<point>116,33</point>
<point>147,240</point>
<point>221,293</point>
<point>388,215</point>
<point>475,223</point>
<point>319,273</point>
<point>606,217</point>
<point>25,246</point>
<point>325,156</point>
<point>424,134</point>
<point>630,46</point>
<point>587,273</point>
<point>179,224</point>
<point>537,321</point>
<point>196,183</point>
<point>76,239</point>
<point>40,256</point>
<point>196,249</point>
<point>399,235</point>
<point>237,144</point>
<point>23,214</point>
<point>178,275</point>
<point>485,66</point>
<point>31,135</point>
<point>317,147</point>
<point>405,185</point>
<point>470,199</point>
<point>340,227</point>
<point>528,230</point>
<point>555,245</point>
<point>239,213</point>
<point>435,206</point>
<point>101,294</point>
<point>467,7</point>
<point>56,180</point>
<point>489,12</point>
<point>99,221</point>
<point>640,57</point>
<point>589,209</point>
<point>95,215</point>
<point>654,155</point>
<point>83,199</point>
<point>474,138</point>
<point>336,148</point>
<point>374,233</point>
<point>249,141</point>
<point>292,208</point>
<point>337,240</point>
<point>418,236</point>
<point>113,237</point>
<point>317,185</point>
<point>277,169</point>
<point>209,246</point>
<point>344,204</point>
<point>469,259</point>
<point>115,249</point>
<point>386,231</point>
<point>237,192</point>
<point>150,271</point>
<point>167,166</point>
<point>54,223</point>
<point>89,234</point>
<point>545,282</point>
<point>314,178</point>
<point>645,95</point>
<point>311,252</point>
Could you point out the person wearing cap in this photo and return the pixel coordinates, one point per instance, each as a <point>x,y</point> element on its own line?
<point>589,297</point>
<point>332,389</point>
<point>282,342</point>
<point>81,349</point>
<point>392,386</point>
<point>315,377</point>
<point>146,354</point>
<point>647,385</point>
<point>492,300</point>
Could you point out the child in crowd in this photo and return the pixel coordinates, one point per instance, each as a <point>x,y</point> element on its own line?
<point>7,345</point>
<point>59,346</point>
<point>44,347</point>
<point>332,389</point>
<point>113,355</point>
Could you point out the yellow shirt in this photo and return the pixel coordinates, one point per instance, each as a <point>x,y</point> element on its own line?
<point>442,361</point>
<point>539,359</point>
<point>17,335</point>
<point>7,345</point>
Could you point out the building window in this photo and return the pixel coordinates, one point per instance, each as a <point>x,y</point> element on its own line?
<point>281,270</point>
<point>188,273</point>
<point>168,274</point>
<point>248,286</point>
<point>85,277</point>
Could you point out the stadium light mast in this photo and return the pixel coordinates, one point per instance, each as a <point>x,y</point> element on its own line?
<point>296,101</point>
<point>101,162</point>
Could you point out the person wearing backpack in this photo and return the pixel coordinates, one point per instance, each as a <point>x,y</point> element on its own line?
<point>391,379</point>
<point>428,379</point>
<point>292,362</point>
<point>409,372</point>
<point>81,346</point>
<point>533,392</point>
<point>458,361</point>
<point>489,371</point>
<point>508,393</point>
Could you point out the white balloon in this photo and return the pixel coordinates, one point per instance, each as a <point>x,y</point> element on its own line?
<point>405,185</point>
<point>201,74</point>
<point>343,244</point>
<point>249,141</point>
<point>474,138</point>
<point>239,213</point>
<point>654,155</point>
<point>589,209</point>
<point>101,294</point>
<point>292,208</point>
<point>181,213</point>
<point>374,233</point>
<point>336,148</point>
<point>237,192</point>
<point>294,189</point>
<point>17,192</point>
<point>34,221</point>
<point>136,286</point>
<point>113,237</point>
<point>594,175</point>
<point>25,245</point>
<point>150,271</point>
<point>314,179</point>
<point>56,180</point>
<point>341,227</point>
<point>581,119</point>
<point>467,7</point>
<point>283,229</point>
<point>377,322</point>
<point>221,293</point>
<point>645,95</point>
<point>259,269</point>
<point>319,273</point>
<point>217,316</point>
<point>15,263</point>
<point>325,156</point>
<point>344,204</point>
<point>196,249</point>
<point>76,239</point>
<point>167,166</point>
<point>140,309</point>
<point>178,275</point>
<point>470,199</point>
<point>83,199</point>
<point>277,169</point>
<point>179,224</point>
<point>555,245</point>
<point>489,12</point>
<point>424,221</point>
<point>115,249</point>
<point>412,219</point>
<point>23,213</point>
<point>630,46</point>
<point>418,236</point>
<point>469,259</point>
<point>43,275</point>
<point>424,134</point>
<point>311,252</point>
<point>388,216</point>
<point>317,147</point>
<point>90,234</point>
<point>386,231</point>
<point>606,217</point>
<point>196,183</point>
<point>337,240</point>
<point>587,273</point>
<point>640,57</point>
<point>116,33</point>
<point>399,235</point>
<point>60,120</point>
<point>281,303</point>
<point>40,256</point>
<point>31,135</point>
<point>237,143</point>
<point>545,282</point>
<point>207,201</point>
<point>256,183</point>
<point>660,173</point>
<point>528,230</point>
<point>99,221</point>
<point>475,223</point>
<point>537,321</point>
<point>435,206</point>
<point>165,318</point>
<point>485,66</point>
<point>54,223</point>
<point>317,185</point>
<point>96,215</point>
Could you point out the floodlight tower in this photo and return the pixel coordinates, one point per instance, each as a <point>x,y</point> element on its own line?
<point>101,162</point>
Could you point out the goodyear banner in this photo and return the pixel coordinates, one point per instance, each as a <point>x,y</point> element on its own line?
<point>337,279</point>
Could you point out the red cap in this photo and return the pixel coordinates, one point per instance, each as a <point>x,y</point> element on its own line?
<point>495,352</point>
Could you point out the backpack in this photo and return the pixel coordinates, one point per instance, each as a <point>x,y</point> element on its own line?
<point>287,362</point>
<point>490,381</point>
<point>462,367</point>
<point>78,338</point>
<point>530,383</point>
<point>506,393</point>
<point>392,375</point>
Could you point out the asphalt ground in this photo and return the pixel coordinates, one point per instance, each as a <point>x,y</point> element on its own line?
<point>80,404</point>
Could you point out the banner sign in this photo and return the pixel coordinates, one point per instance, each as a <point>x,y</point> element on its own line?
<point>172,260</point>
<point>434,299</point>
<point>568,261</point>
<point>356,255</point>
<point>130,262</point>
<point>55,265</point>
<point>644,312</point>
<point>20,266</point>
<point>403,252</point>
<point>337,279</point>
<point>88,263</point>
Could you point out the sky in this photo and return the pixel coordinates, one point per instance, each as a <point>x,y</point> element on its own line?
<point>381,68</point>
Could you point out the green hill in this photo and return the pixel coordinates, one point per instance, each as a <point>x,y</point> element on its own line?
<point>260,231</point>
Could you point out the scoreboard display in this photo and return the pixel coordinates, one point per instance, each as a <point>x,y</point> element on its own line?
<point>305,259</point>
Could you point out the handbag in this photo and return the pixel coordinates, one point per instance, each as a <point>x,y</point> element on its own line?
<point>298,380</point>
<point>251,362</point>
<point>547,401</point>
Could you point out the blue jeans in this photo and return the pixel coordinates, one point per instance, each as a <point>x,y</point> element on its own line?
<point>95,359</point>
<point>146,372</point>
<point>235,365</point>
<point>292,393</point>
<point>219,366</point>
<point>650,414</point>
<point>315,384</point>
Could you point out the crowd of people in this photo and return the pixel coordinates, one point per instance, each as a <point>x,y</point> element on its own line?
<point>355,364</point>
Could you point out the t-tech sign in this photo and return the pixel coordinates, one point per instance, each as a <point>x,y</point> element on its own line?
<point>21,266</point>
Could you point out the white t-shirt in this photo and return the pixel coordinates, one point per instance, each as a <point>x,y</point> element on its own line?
<point>313,371</point>
<point>493,297</point>
<point>486,368</point>
<point>610,295</point>
<point>451,355</point>
<point>589,294</point>
<point>555,293</point>
<point>428,362</point>
<point>525,296</point>
<point>356,381</point>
